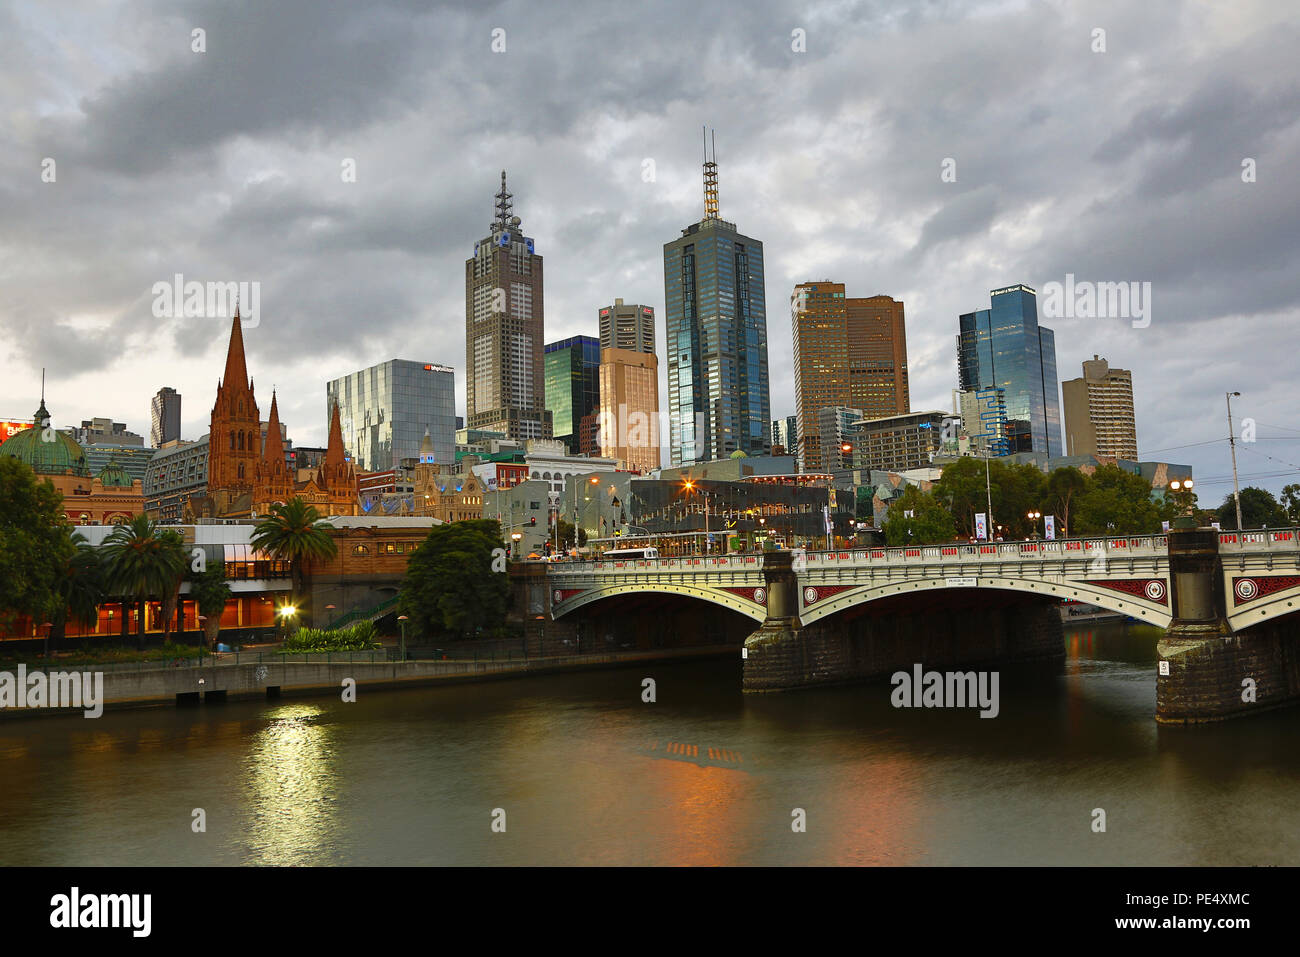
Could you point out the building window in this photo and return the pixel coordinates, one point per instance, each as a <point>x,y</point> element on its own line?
<point>360,550</point>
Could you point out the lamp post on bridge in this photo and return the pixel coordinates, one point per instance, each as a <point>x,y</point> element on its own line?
<point>1183,501</point>
<point>1232,444</point>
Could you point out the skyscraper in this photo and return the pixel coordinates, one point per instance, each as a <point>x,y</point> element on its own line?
<point>504,331</point>
<point>1099,412</point>
<point>716,332</point>
<point>385,410</point>
<point>785,433</point>
<point>847,352</point>
<point>165,417</point>
<point>631,328</point>
<point>629,408</point>
<point>1004,347</point>
<point>572,387</point>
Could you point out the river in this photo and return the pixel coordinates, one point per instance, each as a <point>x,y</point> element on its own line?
<point>584,772</point>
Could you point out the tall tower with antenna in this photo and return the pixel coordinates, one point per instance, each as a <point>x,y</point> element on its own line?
<point>711,179</point>
<point>504,330</point>
<point>719,401</point>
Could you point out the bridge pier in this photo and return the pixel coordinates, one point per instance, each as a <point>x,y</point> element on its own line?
<point>972,627</point>
<point>1207,672</point>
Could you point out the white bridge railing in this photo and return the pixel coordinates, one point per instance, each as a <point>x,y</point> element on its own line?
<point>958,552</point>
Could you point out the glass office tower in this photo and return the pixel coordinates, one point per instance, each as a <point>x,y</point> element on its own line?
<point>1004,347</point>
<point>716,330</point>
<point>385,409</point>
<point>572,387</point>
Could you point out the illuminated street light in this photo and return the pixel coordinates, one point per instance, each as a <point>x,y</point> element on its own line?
<point>1183,500</point>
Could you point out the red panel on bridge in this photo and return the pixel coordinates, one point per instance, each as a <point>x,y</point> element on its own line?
<point>1149,589</point>
<point>1248,589</point>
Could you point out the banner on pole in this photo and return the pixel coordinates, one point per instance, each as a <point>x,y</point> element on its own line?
<point>981,526</point>
<point>1049,526</point>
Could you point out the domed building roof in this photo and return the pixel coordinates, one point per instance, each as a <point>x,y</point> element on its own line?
<point>47,452</point>
<point>113,475</point>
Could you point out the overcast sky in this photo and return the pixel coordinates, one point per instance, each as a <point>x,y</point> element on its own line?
<point>1122,165</point>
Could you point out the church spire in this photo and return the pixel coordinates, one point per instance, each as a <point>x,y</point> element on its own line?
<point>274,444</point>
<point>236,370</point>
<point>334,449</point>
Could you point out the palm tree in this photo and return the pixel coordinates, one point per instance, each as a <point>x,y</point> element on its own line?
<point>81,589</point>
<point>294,532</point>
<point>210,592</point>
<point>143,561</point>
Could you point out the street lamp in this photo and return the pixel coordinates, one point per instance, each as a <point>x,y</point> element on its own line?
<point>402,619</point>
<point>516,536</point>
<point>286,613</point>
<point>330,609</point>
<point>1033,519</point>
<point>1232,444</point>
<point>48,625</point>
<point>1183,499</point>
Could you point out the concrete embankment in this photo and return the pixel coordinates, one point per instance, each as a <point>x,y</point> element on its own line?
<point>273,676</point>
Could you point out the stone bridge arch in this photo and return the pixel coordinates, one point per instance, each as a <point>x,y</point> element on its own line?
<point>738,599</point>
<point>831,600</point>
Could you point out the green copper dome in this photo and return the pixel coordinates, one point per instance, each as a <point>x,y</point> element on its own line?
<point>113,475</point>
<point>47,452</point>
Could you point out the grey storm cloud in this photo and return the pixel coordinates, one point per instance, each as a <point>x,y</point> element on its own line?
<point>226,165</point>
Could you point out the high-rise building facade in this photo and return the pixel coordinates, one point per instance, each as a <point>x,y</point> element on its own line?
<point>572,374</point>
<point>385,409</point>
<point>849,352</point>
<point>785,433</point>
<point>1004,347</point>
<point>984,421</point>
<point>504,331</point>
<point>716,332</point>
<point>164,417</point>
<point>897,443</point>
<point>629,408</point>
<point>1099,412</point>
<point>835,426</point>
<point>631,328</point>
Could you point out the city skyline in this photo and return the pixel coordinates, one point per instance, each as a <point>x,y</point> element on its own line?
<point>152,183</point>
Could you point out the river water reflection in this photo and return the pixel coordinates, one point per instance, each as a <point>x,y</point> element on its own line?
<point>587,773</point>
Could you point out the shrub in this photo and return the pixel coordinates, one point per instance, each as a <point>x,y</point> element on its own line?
<point>358,637</point>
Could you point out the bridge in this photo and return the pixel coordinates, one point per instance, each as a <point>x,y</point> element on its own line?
<point>1198,584</point>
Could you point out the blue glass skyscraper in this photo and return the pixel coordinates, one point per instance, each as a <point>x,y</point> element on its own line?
<point>716,324</point>
<point>1004,347</point>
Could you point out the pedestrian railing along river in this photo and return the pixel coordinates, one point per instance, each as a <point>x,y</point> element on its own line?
<point>1284,540</point>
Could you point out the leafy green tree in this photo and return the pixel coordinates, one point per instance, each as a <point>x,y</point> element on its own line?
<point>1020,490</point>
<point>1063,487</point>
<point>456,582</point>
<point>35,548</point>
<point>1116,502</point>
<point>864,509</point>
<point>143,562</point>
<point>961,490</point>
<point>566,536</point>
<point>81,588</point>
<point>1291,502</point>
<point>210,592</point>
<point>295,533</point>
<point>1259,509</point>
<point>928,524</point>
